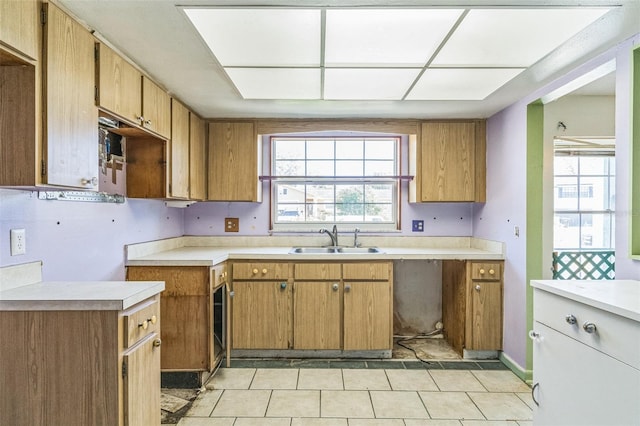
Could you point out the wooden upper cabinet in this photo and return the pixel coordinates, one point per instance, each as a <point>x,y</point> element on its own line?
<point>197,159</point>
<point>125,92</point>
<point>70,128</point>
<point>234,162</point>
<point>179,184</point>
<point>156,108</point>
<point>19,26</point>
<point>119,85</point>
<point>449,162</point>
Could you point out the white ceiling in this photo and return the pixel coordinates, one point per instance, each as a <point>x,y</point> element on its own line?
<point>159,37</point>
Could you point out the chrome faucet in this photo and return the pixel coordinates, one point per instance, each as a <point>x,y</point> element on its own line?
<point>333,234</point>
<point>355,237</point>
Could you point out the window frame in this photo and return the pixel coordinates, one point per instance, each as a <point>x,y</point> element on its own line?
<point>579,211</point>
<point>308,226</point>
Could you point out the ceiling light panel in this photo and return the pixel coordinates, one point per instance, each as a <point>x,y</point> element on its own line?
<point>512,37</point>
<point>276,83</point>
<point>385,37</point>
<point>367,84</point>
<point>260,36</point>
<point>460,83</point>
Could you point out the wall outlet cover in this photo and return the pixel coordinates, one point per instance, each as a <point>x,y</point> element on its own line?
<point>417,226</point>
<point>231,224</point>
<point>18,242</point>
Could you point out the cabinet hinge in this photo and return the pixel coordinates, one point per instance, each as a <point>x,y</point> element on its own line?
<point>43,168</point>
<point>95,52</point>
<point>124,369</point>
<point>95,93</point>
<point>43,15</point>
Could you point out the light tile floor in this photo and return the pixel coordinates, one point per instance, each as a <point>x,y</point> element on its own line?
<point>361,397</point>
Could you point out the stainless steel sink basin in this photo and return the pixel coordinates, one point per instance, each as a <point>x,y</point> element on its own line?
<point>313,250</point>
<point>334,250</point>
<point>358,250</point>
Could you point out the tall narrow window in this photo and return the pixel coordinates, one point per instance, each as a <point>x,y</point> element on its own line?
<point>320,181</point>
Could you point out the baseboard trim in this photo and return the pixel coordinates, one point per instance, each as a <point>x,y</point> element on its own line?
<point>524,374</point>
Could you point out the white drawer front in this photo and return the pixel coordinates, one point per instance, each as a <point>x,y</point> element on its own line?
<point>614,335</point>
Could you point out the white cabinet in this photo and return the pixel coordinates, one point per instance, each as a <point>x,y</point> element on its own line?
<point>584,375</point>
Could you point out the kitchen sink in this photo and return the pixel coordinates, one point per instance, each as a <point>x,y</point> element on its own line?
<point>335,250</point>
<point>358,250</point>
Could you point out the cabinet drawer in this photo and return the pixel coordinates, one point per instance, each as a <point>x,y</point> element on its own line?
<point>141,322</point>
<point>260,271</point>
<point>616,336</point>
<point>366,271</point>
<point>317,271</point>
<point>219,275</point>
<point>486,271</point>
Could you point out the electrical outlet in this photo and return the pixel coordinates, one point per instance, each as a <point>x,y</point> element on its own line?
<point>417,226</point>
<point>18,242</point>
<point>231,224</point>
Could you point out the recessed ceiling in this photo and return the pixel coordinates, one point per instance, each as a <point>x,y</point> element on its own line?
<point>381,54</point>
<point>356,58</point>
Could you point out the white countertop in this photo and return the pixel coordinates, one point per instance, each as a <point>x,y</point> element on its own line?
<point>191,251</point>
<point>78,295</point>
<point>620,297</point>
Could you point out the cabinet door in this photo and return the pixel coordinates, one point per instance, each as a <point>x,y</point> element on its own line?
<point>119,85</point>
<point>261,313</point>
<point>578,385</point>
<point>156,108</point>
<point>19,23</point>
<point>484,326</point>
<point>179,150</point>
<point>316,315</point>
<point>233,162</point>
<point>71,131</point>
<point>142,384</point>
<point>367,315</point>
<point>197,159</point>
<point>448,161</point>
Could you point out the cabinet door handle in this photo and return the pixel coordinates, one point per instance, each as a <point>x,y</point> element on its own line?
<point>264,271</point>
<point>157,343</point>
<point>478,287</point>
<point>589,327</point>
<point>335,286</point>
<point>491,272</point>
<point>347,288</point>
<point>533,396</point>
<point>481,271</point>
<point>283,286</point>
<point>570,319</point>
<point>144,324</point>
<point>255,271</point>
<point>153,319</point>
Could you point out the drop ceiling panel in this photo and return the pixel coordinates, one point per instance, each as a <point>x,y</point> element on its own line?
<point>260,36</point>
<point>368,84</point>
<point>385,37</point>
<point>460,83</point>
<point>276,83</point>
<point>512,37</point>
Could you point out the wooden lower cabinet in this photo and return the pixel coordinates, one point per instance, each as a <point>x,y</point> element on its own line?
<point>472,305</point>
<point>313,306</point>
<point>187,315</point>
<point>367,317</point>
<point>78,368</point>
<point>261,315</point>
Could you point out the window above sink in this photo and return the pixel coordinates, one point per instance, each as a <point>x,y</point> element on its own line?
<point>350,181</point>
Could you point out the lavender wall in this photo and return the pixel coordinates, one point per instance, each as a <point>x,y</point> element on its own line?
<point>506,192</point>
<point>80,240</point>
